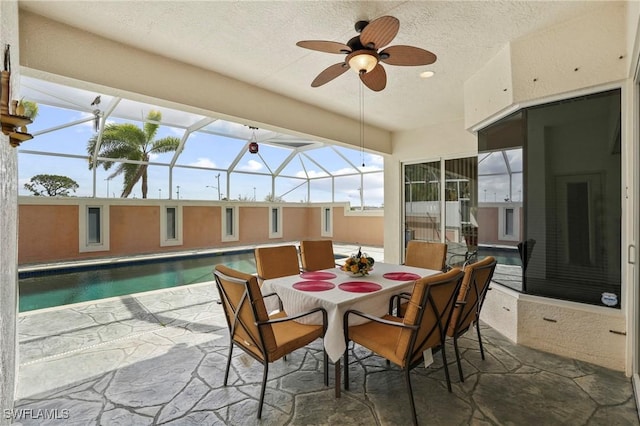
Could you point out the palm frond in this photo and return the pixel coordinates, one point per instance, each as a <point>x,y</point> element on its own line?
<point>151,129</point>
<point>166,144</point>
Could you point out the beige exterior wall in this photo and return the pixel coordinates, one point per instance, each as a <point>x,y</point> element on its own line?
<point>49,228</point>
<point>588,333</point>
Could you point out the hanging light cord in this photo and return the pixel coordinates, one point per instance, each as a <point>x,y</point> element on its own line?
<point>361,122</point>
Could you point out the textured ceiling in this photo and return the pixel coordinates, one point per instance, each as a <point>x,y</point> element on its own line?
<point>256,42</point>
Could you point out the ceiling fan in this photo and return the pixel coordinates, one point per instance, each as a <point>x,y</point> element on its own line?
<point>363,54</point>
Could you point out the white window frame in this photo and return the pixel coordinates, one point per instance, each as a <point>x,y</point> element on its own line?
<point>326,231</point>
<point>165,241</point>
<point>502,222</point>
<point>84,246</point>
<point>235,236</point>
<point>275,233</point>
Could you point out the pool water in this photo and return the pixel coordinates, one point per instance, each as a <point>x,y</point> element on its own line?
<point>47,289</point>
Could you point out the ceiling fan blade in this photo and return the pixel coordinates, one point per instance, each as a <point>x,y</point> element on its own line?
<point>379,32</point>
<point>324,46</point>
<point>376,79</point>
<point>329,74</point>
<point>407,55</point>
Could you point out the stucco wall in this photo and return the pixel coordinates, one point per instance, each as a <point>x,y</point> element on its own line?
<point>588,333</point>
<point>8,225</point>
<point>49,228</point>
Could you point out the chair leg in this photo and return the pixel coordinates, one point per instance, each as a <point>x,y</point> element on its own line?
<point>446,368</point>
<point>226,373</point>
<point>345,367</point>
<point>407,380</point>
<point>455,346</point>
<point>264,385</point>
<point>480,340</point>
<point>326,368</point>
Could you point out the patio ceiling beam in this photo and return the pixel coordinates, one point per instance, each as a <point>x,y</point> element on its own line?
<point>345,158</point>
<point>103,119</point>
<point>194,127</point>
<point>62,126</point>
<point>317,164</point>
<point>286,162</point>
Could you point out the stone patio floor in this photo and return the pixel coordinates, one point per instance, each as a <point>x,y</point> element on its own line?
<point>159,358</point>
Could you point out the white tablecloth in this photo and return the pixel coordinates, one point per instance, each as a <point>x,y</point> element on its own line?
<point>337,301</point>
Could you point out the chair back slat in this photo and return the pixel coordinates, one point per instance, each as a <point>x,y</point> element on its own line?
<point>276,262</point>
<point>430,308</point>
<point>317,255</point>
<point>243,307</point>
<point>477,277</point>
<point>426,254</point>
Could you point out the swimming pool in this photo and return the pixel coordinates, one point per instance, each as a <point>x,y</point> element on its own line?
<point>45,289</point>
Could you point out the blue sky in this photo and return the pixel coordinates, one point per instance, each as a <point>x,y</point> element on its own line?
<point>202,149</point>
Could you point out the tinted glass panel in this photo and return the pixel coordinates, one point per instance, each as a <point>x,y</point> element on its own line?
<point>573,209</point>
<point>93,222</point>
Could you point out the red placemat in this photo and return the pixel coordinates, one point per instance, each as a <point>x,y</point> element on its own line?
<point>317,275</point>
<point>359,286</point>
<point>313,285</point>
<point>401,276</point>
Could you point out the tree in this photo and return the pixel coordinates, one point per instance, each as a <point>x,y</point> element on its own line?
<point>130,142</point>
<point>273,198</point>
<point>51,185</point>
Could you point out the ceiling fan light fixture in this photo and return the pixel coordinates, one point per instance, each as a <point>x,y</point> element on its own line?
<point>362,61</point>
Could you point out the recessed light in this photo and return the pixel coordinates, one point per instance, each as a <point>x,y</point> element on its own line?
<point>427,74</point>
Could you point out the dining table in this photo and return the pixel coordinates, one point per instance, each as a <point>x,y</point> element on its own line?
<point>338,291</point>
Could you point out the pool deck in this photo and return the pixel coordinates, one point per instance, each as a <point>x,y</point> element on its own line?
<point>159,358</point>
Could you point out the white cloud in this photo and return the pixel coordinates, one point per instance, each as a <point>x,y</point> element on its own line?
<point>312,174</point>
<point>252,166</point>
<point>203,162</point>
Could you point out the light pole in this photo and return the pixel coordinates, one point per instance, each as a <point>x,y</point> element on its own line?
<point>108,179</point>
<point>159,193</point>
<point>254,193</point>
<point>218,178</point>
<point>178,192</point>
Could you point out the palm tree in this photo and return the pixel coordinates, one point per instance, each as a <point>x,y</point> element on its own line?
<point>132,143</point>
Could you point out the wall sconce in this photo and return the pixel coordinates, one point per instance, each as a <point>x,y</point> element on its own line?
<point>253,141</point>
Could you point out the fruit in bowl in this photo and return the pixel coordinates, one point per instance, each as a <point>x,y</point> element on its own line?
<point>358,264</point>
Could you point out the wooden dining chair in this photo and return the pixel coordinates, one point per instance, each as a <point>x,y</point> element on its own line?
<point>466,314</point>
<point>426,254</point>
<point>276,262</point>
<point>264,337</point>
<point>317,255</point>
<point>404,340</point>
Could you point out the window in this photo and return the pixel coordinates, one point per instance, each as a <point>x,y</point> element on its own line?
<point>230,226</point>
<point>275,222</point>
<point>326,222</point>
<point>170,225</point>
<point>508,221</point>
<point>508,225</point>
<point>440,205</point>
<point>93,222</point>
<point>567,194</point>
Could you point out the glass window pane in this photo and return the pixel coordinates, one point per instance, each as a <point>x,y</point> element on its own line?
<point>573,203</point>
<point>171,223</point>
<point>422,201</point>
<point>93,223</point>
<point>274,220</point>
<point>461,205</point>
<point>229,221</point>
